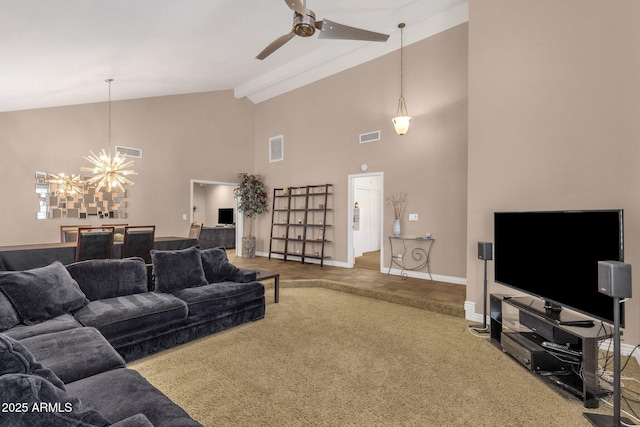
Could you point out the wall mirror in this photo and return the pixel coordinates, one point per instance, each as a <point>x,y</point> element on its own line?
<point>72,198</point>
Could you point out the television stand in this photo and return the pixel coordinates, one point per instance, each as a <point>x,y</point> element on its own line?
<point>520,326</point>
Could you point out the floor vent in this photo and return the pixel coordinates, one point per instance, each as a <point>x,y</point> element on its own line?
<point>276,149</point>
<point>369,137</point>
<point>130,152</point>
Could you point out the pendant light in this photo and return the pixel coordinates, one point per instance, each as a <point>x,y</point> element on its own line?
<point>402,119</point>
<point>109,172</point>
<point>66,185</point>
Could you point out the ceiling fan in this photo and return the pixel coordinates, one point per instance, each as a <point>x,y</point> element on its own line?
<point>305,25</point>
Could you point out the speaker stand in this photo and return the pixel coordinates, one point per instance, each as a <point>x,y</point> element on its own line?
<point>484,329</point>
<point>599,420</point>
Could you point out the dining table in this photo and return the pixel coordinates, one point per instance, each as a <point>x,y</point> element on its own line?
<point>26,257</point>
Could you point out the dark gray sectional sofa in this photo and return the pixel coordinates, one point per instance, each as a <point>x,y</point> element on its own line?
<point>66,333</point>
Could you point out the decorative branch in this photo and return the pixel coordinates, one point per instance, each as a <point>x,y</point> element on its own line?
<point>397,203</point>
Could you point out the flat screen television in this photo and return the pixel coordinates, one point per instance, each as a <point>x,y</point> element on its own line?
<point>554,255</point>
<point>225,216</point>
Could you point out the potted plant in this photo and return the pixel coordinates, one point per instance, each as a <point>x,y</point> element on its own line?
<point>253,200</point>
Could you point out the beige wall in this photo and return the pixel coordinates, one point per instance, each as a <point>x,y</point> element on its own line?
<point>321,124</point>
<point>553,118</point>
<point>182,137</point>
<point>213,137</point>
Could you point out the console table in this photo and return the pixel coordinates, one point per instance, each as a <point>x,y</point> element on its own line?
<point>420,254</point>
<point>520,326</point>
<point>25,257</point>
<point>211,237</point>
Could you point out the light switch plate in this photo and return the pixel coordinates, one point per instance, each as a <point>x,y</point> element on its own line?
<point>413,217</point>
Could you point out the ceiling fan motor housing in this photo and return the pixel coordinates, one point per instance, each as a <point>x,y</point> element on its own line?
<point>304,26</point>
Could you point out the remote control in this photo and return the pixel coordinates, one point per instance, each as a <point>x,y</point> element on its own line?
<point>579,323</point>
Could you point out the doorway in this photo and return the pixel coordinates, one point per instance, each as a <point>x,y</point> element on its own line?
<point>208,198</point>
<point>365,220</point>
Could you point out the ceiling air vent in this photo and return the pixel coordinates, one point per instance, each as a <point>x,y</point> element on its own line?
<point>369,137</point>
<point>130,152</point>
<point>276,149</point>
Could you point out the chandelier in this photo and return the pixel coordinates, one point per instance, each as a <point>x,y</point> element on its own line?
<point>109,172</point>
<point>402,119</point>
<point>66,185</point>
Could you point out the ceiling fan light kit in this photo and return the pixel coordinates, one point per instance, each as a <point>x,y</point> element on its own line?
<point>305,25</point>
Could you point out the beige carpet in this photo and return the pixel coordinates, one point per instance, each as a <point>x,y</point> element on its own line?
<point>327,358</point>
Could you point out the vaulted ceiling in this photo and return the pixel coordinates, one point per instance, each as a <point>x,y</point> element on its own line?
<point>59,52</point>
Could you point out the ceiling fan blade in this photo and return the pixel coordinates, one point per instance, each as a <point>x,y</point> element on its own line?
<point>297,6</point>
<point>333,30</point>
<point>275,45</point>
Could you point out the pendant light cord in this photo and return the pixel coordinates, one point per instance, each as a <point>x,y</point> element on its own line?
<point>109,81</point>
<point>401,57</point>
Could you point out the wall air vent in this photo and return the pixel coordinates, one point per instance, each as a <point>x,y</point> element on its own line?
<point>276,148</point>
<point>130,152</point>
<point>369,137</point>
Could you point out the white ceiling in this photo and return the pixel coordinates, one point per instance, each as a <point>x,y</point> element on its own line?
<point>59,52</point>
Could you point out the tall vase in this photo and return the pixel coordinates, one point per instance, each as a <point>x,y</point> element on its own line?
<point>249,247</point>
<point>396,228</point>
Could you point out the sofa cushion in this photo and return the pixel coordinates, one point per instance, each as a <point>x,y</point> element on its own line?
<point>42,293</point>
<point>216,265</point>
<point>137,420</point>
<point>60,323</point>
<point>216,297</point>
<point>119,316</point>
<point>179,269</point>
<point>74,354</point>
<point>121,393</point>
<point>16,359</point>
<point>43,404</point>
<point>8,315</point>
<point>110,278</point>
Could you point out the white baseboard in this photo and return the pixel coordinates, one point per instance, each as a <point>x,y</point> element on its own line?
<point>296,258</point>
<point>425,276</point>
<point>393,271</point>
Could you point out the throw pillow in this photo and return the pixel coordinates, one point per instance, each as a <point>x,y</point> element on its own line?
<point>8,315</point>
<point>109,278</point>
<point>217,267</point>
<point>42,293</point>
<point>37,402</point>
<point>16,359</point>
<point>179,269</point>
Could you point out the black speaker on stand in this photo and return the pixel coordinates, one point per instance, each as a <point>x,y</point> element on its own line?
<point>614,279</point>
<point>485,253</point>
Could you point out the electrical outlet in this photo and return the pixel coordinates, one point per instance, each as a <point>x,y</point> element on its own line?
<point>184,217</point>
<point>413,217</point>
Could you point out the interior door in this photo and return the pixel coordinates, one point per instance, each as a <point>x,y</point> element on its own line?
<point>368,196</point>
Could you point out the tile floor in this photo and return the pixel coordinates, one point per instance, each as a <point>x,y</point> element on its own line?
<point>363,277</point>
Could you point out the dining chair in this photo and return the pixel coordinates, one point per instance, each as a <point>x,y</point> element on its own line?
<point>94,243</point>
<point>69,233</point>
<point>118,231</point>
<point>194,231</point>
<point>138,241</point>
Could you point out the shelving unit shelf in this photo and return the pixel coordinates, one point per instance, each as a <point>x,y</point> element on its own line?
<point>299,222</point>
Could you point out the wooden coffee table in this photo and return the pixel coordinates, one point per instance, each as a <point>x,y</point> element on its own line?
<point>266,275</point>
